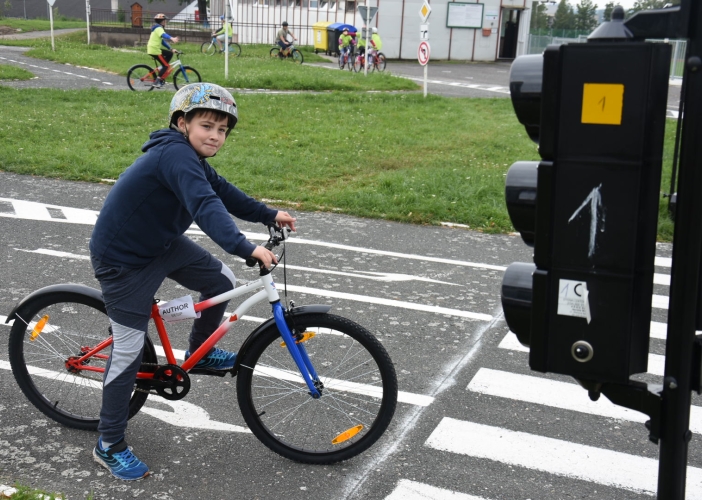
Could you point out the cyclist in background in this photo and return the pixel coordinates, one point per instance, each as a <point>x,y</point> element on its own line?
<point>282,38</point>
<point>361,40</point>
<point>376,44</point>
<point>158,48</point>
<point>226,28</point>
<point>346,43</point>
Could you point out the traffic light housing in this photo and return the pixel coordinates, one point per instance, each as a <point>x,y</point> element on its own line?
<point>589,207</point>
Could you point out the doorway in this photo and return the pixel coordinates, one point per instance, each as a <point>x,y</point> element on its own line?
<point>509,31</point>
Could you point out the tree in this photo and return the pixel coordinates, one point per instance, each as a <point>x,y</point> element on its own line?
<point>564,19</point>
<point>609,7</point>
<point>539,18</point>
<point>585,15</point>
<point>649,4</point>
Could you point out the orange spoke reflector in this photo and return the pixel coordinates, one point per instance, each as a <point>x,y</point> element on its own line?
<point>38,328</point>
<point>346,435</point>
<point>305,337</point>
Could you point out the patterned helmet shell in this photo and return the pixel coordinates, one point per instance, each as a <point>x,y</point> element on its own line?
<point>203,96</point>
<point>160,17</point>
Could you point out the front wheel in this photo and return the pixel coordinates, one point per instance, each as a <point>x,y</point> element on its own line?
<point>141,77</point>
<point>379,62</point>
<point>358,64</point>
<point>185,75</point>
<point>234,49</point>
<point>297,56</point>
<point>208,48</point>
<point>359,390</point>
<point>275,52</point>
<point>39,349</point>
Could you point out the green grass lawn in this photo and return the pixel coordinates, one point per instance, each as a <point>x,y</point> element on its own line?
<point>254,69</point>
<point>9,72</point>
<point>393,156</point>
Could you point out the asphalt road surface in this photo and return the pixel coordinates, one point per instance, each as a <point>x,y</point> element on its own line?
<point>476,423</point>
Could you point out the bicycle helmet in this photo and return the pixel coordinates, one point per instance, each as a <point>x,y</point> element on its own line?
<point>160,17</point>
<point>221,18</point>
<point>203,96</point>
<point>374,29</point>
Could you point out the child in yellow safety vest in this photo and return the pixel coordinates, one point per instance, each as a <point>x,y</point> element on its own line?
<point>346,43</point>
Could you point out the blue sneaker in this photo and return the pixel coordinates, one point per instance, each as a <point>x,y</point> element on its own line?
<point>219,359</point>
<point>120,461</point>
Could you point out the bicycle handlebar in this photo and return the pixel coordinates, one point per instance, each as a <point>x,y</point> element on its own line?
<point>277,235</point>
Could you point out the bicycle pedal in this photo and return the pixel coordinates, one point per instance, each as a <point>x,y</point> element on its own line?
<point>205,371</point>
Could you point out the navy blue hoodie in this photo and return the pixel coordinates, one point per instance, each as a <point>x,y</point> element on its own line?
<point>157,198</point>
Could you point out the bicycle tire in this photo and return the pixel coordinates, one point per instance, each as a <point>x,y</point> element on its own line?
<point>379,63</point>
<point>208,48</point>
<point>75,322</point>
<point>358,64</point>
<point>350,62</point>
<point>234,49</point>
<point>340,349</point>
<point>141,78</point>
<point>341,62</point>
<point>186,75</point>
<point>297,56</point>
<point>275,52</point>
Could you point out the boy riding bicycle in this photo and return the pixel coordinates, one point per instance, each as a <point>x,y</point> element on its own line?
<point>346,43</point>
<point>138,241</point>
<point>282,39</point>
<point>158,48</point>
<point>376,45</point>
<point>220,35</point>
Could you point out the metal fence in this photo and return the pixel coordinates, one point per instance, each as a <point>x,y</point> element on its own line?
<point>538,43</point>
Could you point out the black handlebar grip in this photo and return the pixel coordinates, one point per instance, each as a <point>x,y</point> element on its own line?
<point>251,261</point>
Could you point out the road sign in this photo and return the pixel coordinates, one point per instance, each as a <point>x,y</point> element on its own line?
<point>50,2</point>
<point>423,53</point>
<point>424,32</point>
<point>424,11</point>
<point>365,15</point>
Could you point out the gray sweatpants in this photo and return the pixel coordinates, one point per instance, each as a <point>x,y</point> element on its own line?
<point>128,295</point>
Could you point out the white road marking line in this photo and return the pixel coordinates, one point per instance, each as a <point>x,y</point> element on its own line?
<point>183,414</point>
<point>556,394</point>
<point>664,262</point>
<point>656,362</point>
<point>554,456</point>
<point>329,293</point>
<point>413,490</point>
<point>661,279</point>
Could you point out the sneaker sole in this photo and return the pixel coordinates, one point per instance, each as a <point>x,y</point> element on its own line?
<point>100,461</point>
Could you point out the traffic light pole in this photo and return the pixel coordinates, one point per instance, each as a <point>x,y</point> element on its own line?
<point>685,280</point>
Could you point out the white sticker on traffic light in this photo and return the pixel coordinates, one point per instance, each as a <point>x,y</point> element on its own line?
<point>573,299</point>
<point>602,103</point>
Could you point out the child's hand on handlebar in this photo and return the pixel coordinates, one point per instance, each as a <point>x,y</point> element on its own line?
<point>284,219</point>
<point>265,256</point>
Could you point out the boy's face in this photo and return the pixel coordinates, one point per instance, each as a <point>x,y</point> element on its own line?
<point>206,133</point>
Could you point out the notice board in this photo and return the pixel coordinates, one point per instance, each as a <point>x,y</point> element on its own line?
<point>464,15</point>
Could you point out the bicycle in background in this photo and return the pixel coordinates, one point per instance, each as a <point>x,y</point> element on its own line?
<point>290,52</point>
<point>211,47</point>
<point>375,63</point>
<point>142,77</point>
<point>346,58</point>
<point>312,386</point>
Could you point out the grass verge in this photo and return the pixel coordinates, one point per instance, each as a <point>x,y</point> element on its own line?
<point>41,24</point>
<point>390,156</point>
<point>9,72</point>
<point>254,69</point>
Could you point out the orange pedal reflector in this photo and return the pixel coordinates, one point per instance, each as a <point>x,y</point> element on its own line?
<point>38,328</point>
<point>305,337</point>
<point>346,435</point>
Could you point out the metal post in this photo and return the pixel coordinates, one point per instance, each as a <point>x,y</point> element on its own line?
<point>684,286</point>
<point>51,19</point>
<point>226,41</point>
<point>365,66</point>
<point>87,18</point>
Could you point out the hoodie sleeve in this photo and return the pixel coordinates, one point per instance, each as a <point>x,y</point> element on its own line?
<point>180,170</point>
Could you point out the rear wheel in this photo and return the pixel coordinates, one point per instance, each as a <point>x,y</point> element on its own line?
<point>39,350</point>
<point>275,52</point>
<point>208,48</point>
<point>185,75</point>
<point>356,379</point>
<point>297,56</point>
<point>141,77</point>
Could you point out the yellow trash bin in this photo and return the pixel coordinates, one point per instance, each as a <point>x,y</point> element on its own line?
<point>319,31</point>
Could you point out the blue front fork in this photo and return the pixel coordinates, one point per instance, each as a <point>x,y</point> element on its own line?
<point>297,351</point>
